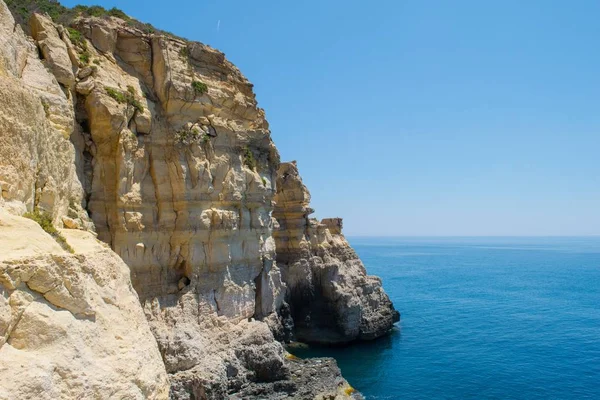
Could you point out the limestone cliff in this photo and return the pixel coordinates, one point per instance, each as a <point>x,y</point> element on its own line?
<point>71,325</point>
<point>181,165</point>
<point>157,146</point>
<point>332,299</point>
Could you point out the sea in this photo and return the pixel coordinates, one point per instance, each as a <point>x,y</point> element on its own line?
<point>482,318</point>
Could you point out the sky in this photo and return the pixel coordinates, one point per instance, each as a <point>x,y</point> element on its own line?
<point>421,117</point>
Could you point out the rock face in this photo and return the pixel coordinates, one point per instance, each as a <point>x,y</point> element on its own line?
<point>71,325</point>
<point>181,190</point>
<point>36,120</point>
<point>157,145</point>
<point>331,297</point>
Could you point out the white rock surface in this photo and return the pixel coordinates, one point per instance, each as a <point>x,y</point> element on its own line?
<point>37,167</point>
<point>70,324</point>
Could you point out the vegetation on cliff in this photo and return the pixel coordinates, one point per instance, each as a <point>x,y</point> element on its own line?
<point>59,13</point>
<point>23,9</point>
<point>128,97</point>
<point>199,87</point>
<point>249,160</point>
<point>44,220</point>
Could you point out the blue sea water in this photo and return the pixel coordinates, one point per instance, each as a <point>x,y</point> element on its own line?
<point>482,318</point>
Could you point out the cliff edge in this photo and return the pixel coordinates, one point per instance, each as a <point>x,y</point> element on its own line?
<point>332,299</point>
<point>172,252</point>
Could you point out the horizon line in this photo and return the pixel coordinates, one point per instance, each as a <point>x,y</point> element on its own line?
<point>474,236</point>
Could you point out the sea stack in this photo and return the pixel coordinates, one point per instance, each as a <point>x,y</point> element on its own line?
<point>331,297</point>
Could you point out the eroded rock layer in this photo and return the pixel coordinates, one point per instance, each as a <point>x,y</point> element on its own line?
<point>157,146</point>
<point>332,298</point>
<point>37,165</point>
<point>71,325</point>
<point>181,170</point>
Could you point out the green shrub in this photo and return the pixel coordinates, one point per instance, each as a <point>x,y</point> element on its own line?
<point>84,57</point>
<point>135,103</point>
<point>148,28</point>
<point>76,37</point>
<point>184,53</point>
<point>199,87</point>
<point>264,181</point>
<point>96,11</point>
<point>115,12</point>
<point>24,8</point>
<point>24,13</point>
<point>46,108</point>
<point>249,160</point>
<point>79,9</point>
<point>128,97</point>
<point>115,94</point>
<point>44,220</point>
<point>189,136</point>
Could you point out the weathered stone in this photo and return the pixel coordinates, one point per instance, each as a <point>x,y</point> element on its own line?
<point>104,38</point>
<point>85,72</point>
<point>331,297</point>
<point>85,86</point>
<point>36,158</point>
<point>201,213</point>
<point>70,223</point>
<point>70,324</point>
<point>53,49</point>
<point>143,120</point>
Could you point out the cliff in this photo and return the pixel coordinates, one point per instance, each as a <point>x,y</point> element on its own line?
<point>149,165</point>
<point>332,299</point>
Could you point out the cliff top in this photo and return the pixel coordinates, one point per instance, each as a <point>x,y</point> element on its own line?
<point>23,9</point>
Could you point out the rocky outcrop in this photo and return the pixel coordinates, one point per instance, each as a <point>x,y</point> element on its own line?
<point>181,165</point>
<point>53,48</point>
<point>37,166</point>
<point>71,325</point>
<point>332,299</point>
<point>157,146</point>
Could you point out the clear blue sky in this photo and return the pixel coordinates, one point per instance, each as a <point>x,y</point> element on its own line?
<point>422,117</point>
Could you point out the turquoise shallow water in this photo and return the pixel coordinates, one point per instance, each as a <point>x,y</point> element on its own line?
<point>482,318</point>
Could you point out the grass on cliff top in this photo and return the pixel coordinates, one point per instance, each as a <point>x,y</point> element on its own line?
<point>23,9</point>
<point>44,220</point>
<point>59,13</point>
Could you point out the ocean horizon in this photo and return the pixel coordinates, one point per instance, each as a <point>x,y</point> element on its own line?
<point>482,317</point>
